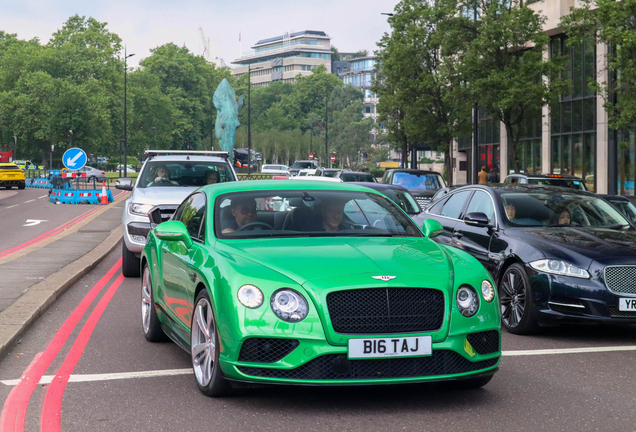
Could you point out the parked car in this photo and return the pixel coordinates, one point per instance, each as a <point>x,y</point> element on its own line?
<point>11,175</point>
<point>350,176</point>
<point>422,184</point>
<point>399,195</point>
<point>571,182</point>
<point>129,168</point>
<point>328,172</point>
<point>302,164</point>
<point>557,255</point>
<point>166,179</point>
<point>623,205</point>
<point>223,274</point>
<point>275,169</point>
<point>27,164</point>
<point>306,172</point>
<point>92,174</point>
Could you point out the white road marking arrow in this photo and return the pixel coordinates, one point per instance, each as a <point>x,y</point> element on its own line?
<point>33,222</point>
<point>71,162</point>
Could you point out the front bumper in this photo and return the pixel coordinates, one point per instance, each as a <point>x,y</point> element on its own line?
<point>568,299</point>
<point>315,362</point>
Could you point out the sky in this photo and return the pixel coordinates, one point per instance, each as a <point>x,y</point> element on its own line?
<point>143,24</point>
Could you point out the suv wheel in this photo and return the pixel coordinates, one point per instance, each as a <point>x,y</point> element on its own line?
<point>130,263</point>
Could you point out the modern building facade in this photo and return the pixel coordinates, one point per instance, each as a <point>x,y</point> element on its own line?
<point>574,139</point>
<point>284,57</point>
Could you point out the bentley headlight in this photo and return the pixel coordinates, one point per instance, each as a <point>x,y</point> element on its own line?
<point>289,305</point>
<point>250,296</point>
<point>140,209</point>
<point>487,291</point>
<point>467,300</point>
<point>559,267</point>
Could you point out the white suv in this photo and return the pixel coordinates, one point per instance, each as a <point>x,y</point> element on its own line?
<point>165,180</point>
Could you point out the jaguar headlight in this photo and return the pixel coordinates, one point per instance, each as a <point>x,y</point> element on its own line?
<point>559,267</point>
<point>250,296</point>
<point>289,305</point>
<point>467,301</point>
<point>140,209</point>
<point>487,291</point>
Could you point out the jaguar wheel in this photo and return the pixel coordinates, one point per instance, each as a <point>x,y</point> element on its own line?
<point>517,309</point>
<point>204,343</point>
<point>149,320</point>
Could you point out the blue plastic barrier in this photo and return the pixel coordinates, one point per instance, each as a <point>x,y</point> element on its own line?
<point>78,196</point>
<point>40,182</point>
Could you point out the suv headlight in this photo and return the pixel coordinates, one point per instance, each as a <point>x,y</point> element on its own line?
<point>140,209</point>
<point>467,300</point>
<point>559,267</point>
<point>289,305</point>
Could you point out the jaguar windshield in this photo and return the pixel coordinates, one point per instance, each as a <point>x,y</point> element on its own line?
<point>560,209</point>
<point>184,173</point>
<point>311,213</point>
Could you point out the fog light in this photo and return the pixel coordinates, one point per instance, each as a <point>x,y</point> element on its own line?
<point>138,239</point>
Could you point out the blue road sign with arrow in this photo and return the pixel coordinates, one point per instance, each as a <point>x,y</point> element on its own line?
<point>74,158</point>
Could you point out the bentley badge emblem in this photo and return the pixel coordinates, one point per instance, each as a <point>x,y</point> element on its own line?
<point>384,278</point>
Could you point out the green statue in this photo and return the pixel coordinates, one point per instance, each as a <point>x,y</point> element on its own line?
<point>227,116</point>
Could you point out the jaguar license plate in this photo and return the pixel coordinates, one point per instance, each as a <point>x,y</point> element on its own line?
<point>390,347</point>
<point>627,304</point>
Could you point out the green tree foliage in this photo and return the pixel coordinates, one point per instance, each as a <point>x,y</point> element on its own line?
<point>422,95</point>
<point>610,22</point>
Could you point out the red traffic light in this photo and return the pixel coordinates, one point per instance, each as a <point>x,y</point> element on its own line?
<point>333,158</point>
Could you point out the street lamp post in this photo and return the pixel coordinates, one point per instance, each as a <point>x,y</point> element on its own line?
<point>249,117</point>
<point>125,112</point>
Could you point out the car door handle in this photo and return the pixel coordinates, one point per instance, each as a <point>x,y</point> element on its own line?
<point>457,234</point>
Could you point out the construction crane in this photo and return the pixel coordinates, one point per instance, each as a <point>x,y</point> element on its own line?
<point>206,45</point>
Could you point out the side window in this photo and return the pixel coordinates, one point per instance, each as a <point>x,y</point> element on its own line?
<point>481,202</point>
<point>192,214</point>
<point>453,206</point>
<point>437,208</point>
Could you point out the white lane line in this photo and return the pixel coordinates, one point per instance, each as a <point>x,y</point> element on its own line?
<point>47,379</point>
<point>568,351</point>
<point>26,202</point>
<point>13,206</point>
<point>43,196</point>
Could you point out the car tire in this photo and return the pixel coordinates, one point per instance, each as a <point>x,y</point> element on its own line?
<point>149,320</point>
<point>472,383</point>
<point>204,349</point>
<point>22,186</point>
<point>130,263</point>
<point>515,300</point>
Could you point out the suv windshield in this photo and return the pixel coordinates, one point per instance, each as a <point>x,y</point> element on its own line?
<point>303,165</point>
<point>418,181</point>
<point>183,173</point>
<point>560,209</point>
<point>311,213</point>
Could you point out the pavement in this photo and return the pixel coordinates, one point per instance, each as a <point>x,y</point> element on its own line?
<point>35,273</point>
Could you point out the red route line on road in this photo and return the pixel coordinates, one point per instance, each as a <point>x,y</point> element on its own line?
<point>51,233</point>
<point>15,407</point>
<point>52,409</point>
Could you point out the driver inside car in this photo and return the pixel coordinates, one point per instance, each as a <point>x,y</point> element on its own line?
<point>161,174</point>
<point>243,211</point>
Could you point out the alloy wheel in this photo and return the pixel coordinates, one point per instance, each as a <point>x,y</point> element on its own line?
<point>146,300</point>
<point>203,342</point>
<point>512,298</point>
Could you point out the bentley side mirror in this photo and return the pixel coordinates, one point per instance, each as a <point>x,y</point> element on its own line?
<point>124,184</point>
<point>432,228</point>
<point>173,231</point>
<point>478,219</point>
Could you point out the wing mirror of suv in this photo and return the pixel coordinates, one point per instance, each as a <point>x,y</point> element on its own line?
<point>478,219</point>
<point>173,231</point>
<point>432,228</point>
<point>124,184</point>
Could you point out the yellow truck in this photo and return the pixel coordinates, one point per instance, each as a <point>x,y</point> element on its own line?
<point>11,175</point>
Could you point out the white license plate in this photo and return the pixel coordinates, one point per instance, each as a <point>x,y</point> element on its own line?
<point>390,347</point>
<point>627,304</point>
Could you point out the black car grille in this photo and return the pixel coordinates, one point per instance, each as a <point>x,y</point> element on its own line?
<point>484,342</point>
<point>423,202</point>
<point>266,350</point>
<point>162,213</point>
<point>621,279</point>
<point>386,310</point>
<point>615,313</point>
<point>338,367</point>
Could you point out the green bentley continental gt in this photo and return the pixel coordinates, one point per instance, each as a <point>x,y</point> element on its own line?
<point>315,283</point>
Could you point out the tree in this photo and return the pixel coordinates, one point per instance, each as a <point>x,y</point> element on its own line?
<point>422,94</point>
<point>503,60</point>
<point>335,56</point>
<point>610,22</point>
